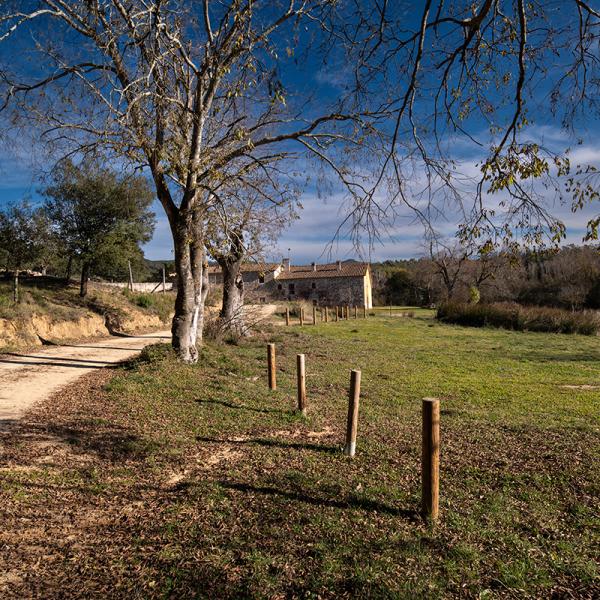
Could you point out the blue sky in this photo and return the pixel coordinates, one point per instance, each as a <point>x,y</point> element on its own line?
<point>309,238</point>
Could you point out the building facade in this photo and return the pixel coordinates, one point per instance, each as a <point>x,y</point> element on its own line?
<point>334,284</point>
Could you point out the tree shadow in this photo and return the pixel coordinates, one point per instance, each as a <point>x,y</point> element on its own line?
<point>239,406</point>
<point>92,436</point>
<point>63,358</point>
<point>270,443</point>
<point>347,503</point>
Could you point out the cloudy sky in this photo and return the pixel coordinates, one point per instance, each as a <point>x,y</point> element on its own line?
<point>311,237</point>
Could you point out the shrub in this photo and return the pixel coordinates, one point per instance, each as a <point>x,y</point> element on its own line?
<point>520,318</point>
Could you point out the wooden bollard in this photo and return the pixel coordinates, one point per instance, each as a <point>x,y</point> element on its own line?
<point>352,425</point>
<point>314,315</point>
<point>287,315</point>
<point>430,459</point>
<point>301,317</point>
<point>271,366</point>
<point>336,314</point>
<point>300,364</point>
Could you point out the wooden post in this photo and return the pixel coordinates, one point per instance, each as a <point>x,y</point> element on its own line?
<point>130,276</point>
<point>314,315</point>
<point>430,459</point>
<point>352,426</point>
<point>164,280</point>
<point>287,315</point>
<point>336,314</point>
<point>348,312</point>
<point>364,312</point>
<point>355,311</point>
<point>16,287</point>
<point>326,315</point>
<point>301,316</point>
<point>390,308</point>
<point>271,366</point>
<point>300,364</point>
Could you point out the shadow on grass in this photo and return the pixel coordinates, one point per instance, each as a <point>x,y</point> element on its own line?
<point>239,406</point>
<point>269,443</point>
<point>91,436</point>
<point>348,503</point>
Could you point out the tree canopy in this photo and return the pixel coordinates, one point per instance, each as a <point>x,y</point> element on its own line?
<point>100,217</point>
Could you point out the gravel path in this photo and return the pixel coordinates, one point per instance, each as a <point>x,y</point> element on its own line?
<point>29,377</point>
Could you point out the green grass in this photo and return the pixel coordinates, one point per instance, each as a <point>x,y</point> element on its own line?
<point>205,484</point>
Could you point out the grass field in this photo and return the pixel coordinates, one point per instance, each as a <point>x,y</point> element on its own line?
<point>161,480</point>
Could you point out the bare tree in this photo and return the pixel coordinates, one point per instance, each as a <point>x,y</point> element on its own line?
<point>243,226</point>
<point>478,74</point>
<point>190,91</point>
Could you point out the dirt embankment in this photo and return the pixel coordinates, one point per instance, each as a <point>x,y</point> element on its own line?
<point>39,330</point>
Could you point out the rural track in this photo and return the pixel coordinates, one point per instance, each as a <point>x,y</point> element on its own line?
<point>30,377</point>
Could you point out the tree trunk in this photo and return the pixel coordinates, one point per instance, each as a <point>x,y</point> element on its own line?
<point>69,269</point>
<point>232,317</point>
<point>192,288</point>
<point>85,276</point>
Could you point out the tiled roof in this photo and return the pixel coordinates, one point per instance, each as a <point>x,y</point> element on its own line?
<point>348,269</point>
<point>249,268</point>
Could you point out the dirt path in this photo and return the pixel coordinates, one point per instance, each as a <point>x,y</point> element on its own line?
<point>28,377</point>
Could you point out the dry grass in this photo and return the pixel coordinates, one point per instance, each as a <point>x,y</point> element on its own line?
<point>161,480</point>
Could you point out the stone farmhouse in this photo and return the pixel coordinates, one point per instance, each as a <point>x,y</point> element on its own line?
<point>334,284</point>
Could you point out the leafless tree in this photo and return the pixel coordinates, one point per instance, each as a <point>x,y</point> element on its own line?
<point>190,91</point>
<point>243,226</point>
<point>479,74</point>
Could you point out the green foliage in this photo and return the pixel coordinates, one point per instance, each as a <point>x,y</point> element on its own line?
<point>25,236</point>
<point>474,295</point>
<point>520,318</point>
<point>100,216</point>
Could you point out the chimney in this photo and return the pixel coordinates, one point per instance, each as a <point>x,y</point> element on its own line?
<point>314,266</point>
<point>339,265</point>
<point>286,264</point>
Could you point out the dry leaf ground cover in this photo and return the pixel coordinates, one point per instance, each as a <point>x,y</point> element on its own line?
<point>160,480</point>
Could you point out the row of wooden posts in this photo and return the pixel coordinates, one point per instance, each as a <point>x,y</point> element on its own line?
<point>339,312</point>
<point>430,444</point>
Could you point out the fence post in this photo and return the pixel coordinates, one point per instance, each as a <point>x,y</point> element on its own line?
<point>301,316</point>
<point>352,425</point>
<point>336,314</point>
<point>430,459</point>
<point>16,287</point>
<point>300,364</point>
<point>287,315</point>
<point>130,275</point>
<point>326,315</point>
<point>164,280</point>
<point>271,366</point>
<point>314,315</point>
<point>364,312</point>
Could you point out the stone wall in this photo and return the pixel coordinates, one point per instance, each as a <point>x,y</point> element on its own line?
<point>324,291</point>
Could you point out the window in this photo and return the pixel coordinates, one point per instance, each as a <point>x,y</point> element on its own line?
<point>279,287</point>
<point>262,300</point>
<point>314,286</point>
<point>291,288</point>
